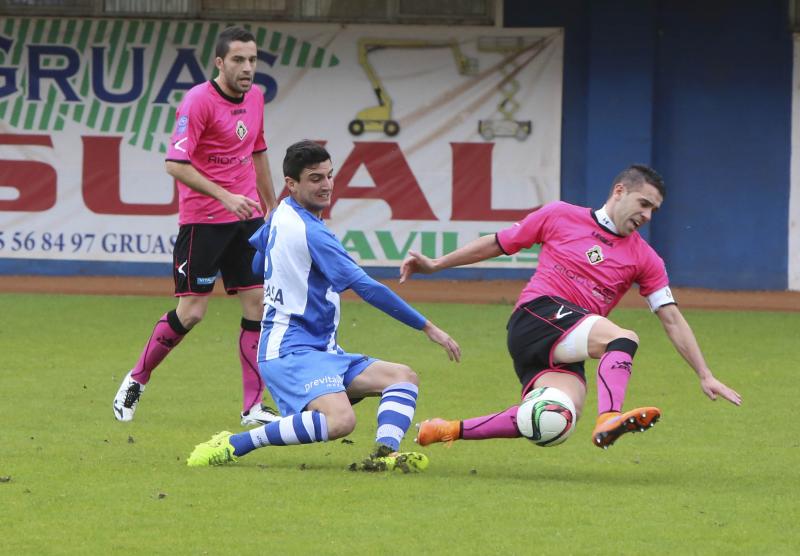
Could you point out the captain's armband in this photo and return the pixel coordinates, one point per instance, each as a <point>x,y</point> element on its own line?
<point>659,298</point>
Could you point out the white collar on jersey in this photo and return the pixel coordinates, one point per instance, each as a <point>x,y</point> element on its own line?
<point>602,217</point>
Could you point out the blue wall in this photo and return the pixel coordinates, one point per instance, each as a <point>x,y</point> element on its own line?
<point>701,90</point>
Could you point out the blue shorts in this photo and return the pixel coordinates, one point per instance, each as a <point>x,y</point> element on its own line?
<point>297,379</point>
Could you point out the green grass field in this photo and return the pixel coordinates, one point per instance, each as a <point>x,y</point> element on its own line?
<point>711,478</point>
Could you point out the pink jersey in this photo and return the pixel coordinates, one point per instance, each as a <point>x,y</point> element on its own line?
<point>581,261</point>
<point>218,135</point>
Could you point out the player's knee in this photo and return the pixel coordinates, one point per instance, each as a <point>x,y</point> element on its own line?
<point>191,311</point>
<point>340,423</point>
<point>190,318</point>
<point>632,336</point>
<point>407,374</point>
<point>627,341</point>
<point>396,373</point>
<point>190,321</point>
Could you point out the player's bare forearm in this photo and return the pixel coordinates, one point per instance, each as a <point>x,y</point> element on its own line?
<point>189,176</point>
<point>475,251</point>
<point>682,337</point>
<point>266,190</point>
<point>240,205</point>
<point>685,342</point>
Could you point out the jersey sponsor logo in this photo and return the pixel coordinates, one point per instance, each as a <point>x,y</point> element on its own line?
<point>603,293</point>
<point>237,111</point>
<point>595,255</point>
<point>273,294</point>
<point>560,315</point>
<point>206,280</point>
<point>241,130</point>
<point>326,381</point>
<point>225,160</point>
<point>183,122</point>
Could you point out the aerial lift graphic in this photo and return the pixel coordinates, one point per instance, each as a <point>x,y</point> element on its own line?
<point>506,126</point>
<point>379,118</point>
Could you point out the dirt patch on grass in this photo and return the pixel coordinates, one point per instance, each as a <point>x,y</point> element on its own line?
<point>453,291</point>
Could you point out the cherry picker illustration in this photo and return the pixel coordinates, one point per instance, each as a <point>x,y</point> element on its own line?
<point>507,125</point>
<point>380,118</point>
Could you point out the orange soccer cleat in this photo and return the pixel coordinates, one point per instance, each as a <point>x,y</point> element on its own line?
<point>613,424</point>
<point>437,430</point>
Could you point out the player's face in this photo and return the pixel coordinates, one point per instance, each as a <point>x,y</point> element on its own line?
<point>237,69</point>
<point>315,187</point>
<point>634,207</point>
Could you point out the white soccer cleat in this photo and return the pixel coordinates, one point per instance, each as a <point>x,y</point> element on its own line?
<point>127,398</point>
<point>259,415</point>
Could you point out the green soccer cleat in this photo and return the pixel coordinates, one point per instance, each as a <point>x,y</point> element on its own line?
<point>384,459</point>
<point>217,451</point>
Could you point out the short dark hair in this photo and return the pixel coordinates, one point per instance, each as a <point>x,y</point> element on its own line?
<point>301,155</point>
<point>636,175</point>
<point>230,34</point>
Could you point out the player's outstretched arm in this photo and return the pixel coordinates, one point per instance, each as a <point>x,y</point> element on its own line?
<point>682,337</point>
<point>381,297</point>
<point>436,334</point>
<point>475,251</point>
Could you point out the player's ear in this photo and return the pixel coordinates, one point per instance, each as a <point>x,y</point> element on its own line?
<point>290,183</point>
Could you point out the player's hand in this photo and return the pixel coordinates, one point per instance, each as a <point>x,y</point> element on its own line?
<point>442,338</point>
<point>415,262</point>
<point>713,388</point>
<point>241,205</point>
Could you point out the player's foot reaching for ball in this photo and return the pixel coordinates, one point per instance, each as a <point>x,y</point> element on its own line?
<point>385,459</point>
<point>613,424</point>
<point>438,430</point>
<point>127,398</point>
<point>217,451</point>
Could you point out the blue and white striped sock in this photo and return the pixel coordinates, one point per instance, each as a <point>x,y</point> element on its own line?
<point>302,428</point>
<point>395,413</point>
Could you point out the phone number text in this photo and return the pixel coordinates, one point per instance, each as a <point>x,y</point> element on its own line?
<point>86,242</point>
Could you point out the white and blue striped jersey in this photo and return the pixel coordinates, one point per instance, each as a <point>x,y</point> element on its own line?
<point>305,268</point>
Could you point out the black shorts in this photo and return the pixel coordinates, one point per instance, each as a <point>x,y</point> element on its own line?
<point>534,330</point>
<point>203,250</point>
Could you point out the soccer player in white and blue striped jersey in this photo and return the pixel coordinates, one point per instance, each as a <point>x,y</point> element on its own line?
<point>311,378</point>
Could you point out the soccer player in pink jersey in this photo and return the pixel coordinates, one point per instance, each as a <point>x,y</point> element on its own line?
<point>589,259</point>
<point>218,158</point>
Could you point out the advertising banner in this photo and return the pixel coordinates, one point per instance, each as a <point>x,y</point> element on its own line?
<point>437,134</point>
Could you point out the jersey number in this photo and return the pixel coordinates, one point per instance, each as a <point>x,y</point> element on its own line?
<point>270,244</point>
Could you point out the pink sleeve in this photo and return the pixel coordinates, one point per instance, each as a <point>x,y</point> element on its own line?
<point>527,231</point>
<point>190,121</point>
<point>653,274</point>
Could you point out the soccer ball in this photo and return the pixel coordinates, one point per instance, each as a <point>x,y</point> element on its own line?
<point>546,416</point>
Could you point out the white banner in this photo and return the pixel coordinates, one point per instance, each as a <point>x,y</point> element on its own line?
<point>437,134</point>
